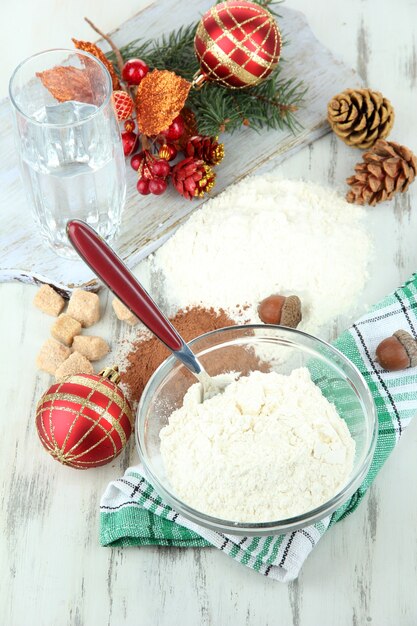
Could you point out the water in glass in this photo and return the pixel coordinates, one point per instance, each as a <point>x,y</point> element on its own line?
<point>72,165</point>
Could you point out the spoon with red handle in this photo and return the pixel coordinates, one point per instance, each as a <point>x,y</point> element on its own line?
<point>109,267</point>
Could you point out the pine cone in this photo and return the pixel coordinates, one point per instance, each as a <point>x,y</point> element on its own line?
<point>205,148</point>
<point>360,117</point>
<point>192,177</point>
<point>385,170</point>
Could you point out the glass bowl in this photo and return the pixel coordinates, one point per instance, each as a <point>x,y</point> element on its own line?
<point>268,348</point>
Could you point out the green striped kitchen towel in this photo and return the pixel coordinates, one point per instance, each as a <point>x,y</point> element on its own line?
<point>132,513</point>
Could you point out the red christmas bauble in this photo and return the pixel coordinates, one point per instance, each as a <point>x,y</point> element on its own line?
<point>157,186</point>
<point>134,70</point>
<point>129,141</point>
<point>237,43</point>
<point>86,420</point>
<point>161,168</point>
<point>143,186</point>
<point>135,161</point>
<point>129,126</point>
<point>168,152</point>
<point>175,129</point>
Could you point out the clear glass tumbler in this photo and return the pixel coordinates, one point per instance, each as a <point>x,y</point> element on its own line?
<point>69,144</point>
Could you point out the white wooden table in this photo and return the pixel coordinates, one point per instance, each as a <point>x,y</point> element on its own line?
<point>53,571</point>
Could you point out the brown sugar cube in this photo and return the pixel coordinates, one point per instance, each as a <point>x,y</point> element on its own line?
<point>65,328</point>
<point>51,355</point>
<point>123,313</point>
<point>49,301</point>
<point>76,363</point>
<point>93,348</point>
<point>84,306</point>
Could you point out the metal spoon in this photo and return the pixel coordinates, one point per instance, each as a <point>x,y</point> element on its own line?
<point>119,279</point>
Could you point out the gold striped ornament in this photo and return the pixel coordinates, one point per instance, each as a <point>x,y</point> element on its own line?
<point>238,44</point>
<point>85,421</point>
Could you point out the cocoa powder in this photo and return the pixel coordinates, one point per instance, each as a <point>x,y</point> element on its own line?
<point>148,353</point>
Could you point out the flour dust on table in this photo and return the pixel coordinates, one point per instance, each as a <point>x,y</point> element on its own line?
<point>264,236</point>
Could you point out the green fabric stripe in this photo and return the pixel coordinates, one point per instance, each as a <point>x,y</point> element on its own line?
<point>247,552</point>
<point>277,544</point>
<point>259,559</point>
<point>234,551</point>
<point>320,527</point>
<point>409,291</point>
<point>386,433</point>
<point>136,525</point>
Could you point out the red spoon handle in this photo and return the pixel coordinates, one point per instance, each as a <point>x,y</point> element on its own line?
<point>113,272</point>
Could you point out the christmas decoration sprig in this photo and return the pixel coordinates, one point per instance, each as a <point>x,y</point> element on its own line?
<point>174,94</point>
<point>273,104</point>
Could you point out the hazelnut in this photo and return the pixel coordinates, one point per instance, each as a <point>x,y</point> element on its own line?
<point>397,352</point>
<point>269,310</point>
<point>277,309</point>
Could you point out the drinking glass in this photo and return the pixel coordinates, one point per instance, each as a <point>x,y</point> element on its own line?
<point>69,144</point>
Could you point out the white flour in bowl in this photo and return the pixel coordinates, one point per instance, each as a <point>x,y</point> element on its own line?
<point>264,236</point>
<point>268,448</point>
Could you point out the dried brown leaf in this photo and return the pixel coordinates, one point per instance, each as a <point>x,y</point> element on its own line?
<point>87,46</point>
<point>67,83</point>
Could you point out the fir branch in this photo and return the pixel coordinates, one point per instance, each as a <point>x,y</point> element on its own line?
<point>174,52</point>
<point>272,104</point>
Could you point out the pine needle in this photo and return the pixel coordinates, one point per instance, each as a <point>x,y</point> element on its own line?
<point>272,104</point>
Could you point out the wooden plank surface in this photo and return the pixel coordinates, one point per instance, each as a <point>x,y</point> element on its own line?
<point>148,221</point>
<point>363,572</point>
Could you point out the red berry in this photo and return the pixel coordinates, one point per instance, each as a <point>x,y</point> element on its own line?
<point>129,142</point>
<point>161,168</point>
<point>143,186</point>
<point>134,70</point>
<point>129,125</point>
<point>175,130</point>
<point>168,152</point>
<point>157,186</point>
<point>136,160</point>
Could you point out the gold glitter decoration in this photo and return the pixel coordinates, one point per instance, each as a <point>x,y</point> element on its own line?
<point>87,46</point>
<point>159,99</point>
<point>218,154</point>
<point>67,83</point>
<point>205,184</point>
<point>214,46</point>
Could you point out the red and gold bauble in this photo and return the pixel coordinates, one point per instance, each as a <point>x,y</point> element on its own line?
<point>86,420</point>
<point>238,44</point>
<point>168,152</point>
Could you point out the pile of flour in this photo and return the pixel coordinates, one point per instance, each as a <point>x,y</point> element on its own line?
<point>264,236</point>
<point>270,447</point>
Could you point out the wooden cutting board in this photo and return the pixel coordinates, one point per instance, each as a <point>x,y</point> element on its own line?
<point>148,220</point>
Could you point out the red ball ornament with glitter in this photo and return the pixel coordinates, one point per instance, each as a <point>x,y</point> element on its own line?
<point>86,420</point>
<point>238,44</point>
